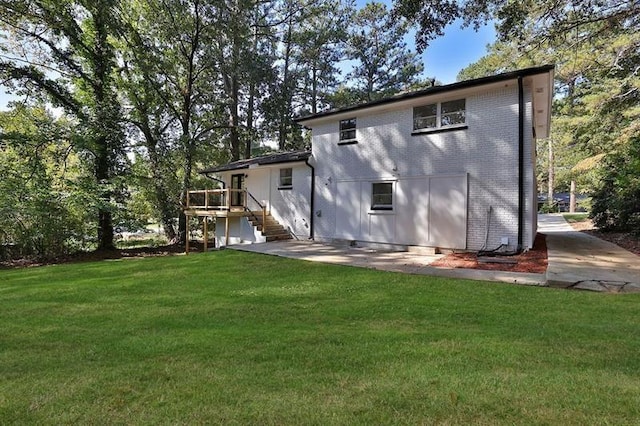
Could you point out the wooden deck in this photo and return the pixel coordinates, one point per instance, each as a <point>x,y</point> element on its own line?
<point>221,203</point>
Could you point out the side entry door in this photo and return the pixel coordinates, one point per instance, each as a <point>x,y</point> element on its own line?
<point>237,197</point>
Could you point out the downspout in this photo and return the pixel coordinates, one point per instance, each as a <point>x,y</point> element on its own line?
<point>520,163</point>
<point>224,185</point>
<point>313,198</point>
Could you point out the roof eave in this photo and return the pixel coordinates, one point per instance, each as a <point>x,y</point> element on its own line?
<point>249,165</point>
<point>307,120</point>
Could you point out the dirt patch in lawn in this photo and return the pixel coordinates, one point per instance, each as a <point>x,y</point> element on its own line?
<point>532,261</point>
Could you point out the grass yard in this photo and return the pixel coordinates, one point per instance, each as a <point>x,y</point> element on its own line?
<point>575,217</point>
<point>238,338</point>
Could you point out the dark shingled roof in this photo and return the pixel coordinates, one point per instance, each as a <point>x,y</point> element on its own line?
<point>433,90</point>
<point>282,157</point>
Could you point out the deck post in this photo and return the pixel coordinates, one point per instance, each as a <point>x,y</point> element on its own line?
<point>206,232</point>
<point>186,236</point>
<point>264,218</point>
<point>226,231</point>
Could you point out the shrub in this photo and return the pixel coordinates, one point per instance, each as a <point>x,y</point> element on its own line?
<point>616,203</point>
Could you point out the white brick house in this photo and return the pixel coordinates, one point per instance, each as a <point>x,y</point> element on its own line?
<point>450,166</point>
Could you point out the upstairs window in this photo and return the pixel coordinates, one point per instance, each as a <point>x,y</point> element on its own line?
<point>348,129</point>
<point>439,115</point>
<point>452,113</point>
<point>425,117</point>
<point>382,196</point>
<point>286,178</point>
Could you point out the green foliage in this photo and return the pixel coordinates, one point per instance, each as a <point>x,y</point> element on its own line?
<point>596,50</point>
<point>616,203</point>
<point>548,208</point>
<point>41,212</point>
<point>384,65</point>
<point>64,51</point>
<point>432,16</point>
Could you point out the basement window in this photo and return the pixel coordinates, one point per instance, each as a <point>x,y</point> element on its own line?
<point>382,196</point>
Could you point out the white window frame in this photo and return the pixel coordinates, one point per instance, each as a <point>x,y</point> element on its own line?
<point>282,184</point>
<point>381,206</point>
<point>439,115</point>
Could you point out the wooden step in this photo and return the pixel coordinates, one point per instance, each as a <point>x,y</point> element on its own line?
<point>271,228</point>
<point>276,228</point>
<point>259,220</point>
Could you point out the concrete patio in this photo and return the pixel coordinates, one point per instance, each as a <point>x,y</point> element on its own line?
<point>576,260</point>
<point>405,262</point>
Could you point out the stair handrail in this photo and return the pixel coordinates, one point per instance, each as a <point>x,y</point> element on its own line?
<point>264,210</point>
<point>253,215</point>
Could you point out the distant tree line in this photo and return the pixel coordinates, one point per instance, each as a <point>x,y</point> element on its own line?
<point>147,92</point>
<point>151,91</point>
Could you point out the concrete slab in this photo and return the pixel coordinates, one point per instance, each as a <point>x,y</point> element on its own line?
<point>582,261</point>
<point>405,262</point>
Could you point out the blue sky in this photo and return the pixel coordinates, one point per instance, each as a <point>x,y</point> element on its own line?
<point>449,54</point>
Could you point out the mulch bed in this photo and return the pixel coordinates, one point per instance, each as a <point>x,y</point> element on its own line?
<point>532,261</point>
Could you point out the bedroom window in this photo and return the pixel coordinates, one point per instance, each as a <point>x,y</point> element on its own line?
<point>425,117</point>
<point>348,129</point>
<point>382,196</point>
<point>439,115</point>
<point>286,178</point>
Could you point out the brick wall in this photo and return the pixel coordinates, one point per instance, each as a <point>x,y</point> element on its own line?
<point>487,151</point>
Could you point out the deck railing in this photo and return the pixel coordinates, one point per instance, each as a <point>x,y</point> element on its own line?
<point>206,202</point>
<point>224,199</point>
<point>217,199</point>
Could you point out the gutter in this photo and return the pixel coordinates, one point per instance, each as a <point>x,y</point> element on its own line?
<point>224,185</point>
<point>313,192</point>
<point>520,163</point>
<point>429,91</point>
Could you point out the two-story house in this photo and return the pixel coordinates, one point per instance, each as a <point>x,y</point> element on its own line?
<point>450,166</point>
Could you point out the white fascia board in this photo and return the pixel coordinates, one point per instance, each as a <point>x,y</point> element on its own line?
<point>410,103</point>
<point>542,97</point>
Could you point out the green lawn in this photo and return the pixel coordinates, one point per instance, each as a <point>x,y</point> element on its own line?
<point>575,217</point>
<point>237,338</point>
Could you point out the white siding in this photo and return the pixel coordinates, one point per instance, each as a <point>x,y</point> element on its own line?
<point>290,207</point>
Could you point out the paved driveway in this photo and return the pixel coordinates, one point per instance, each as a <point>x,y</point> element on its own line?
<point>582,261</point>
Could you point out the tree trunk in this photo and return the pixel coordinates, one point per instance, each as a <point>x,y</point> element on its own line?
<point>572,197</point>
<point>283,128</point>
<point>105,149</point>
<point>162,200</point>
<point>551,180</point>
<point>234,137</point>
<point>252,99</point>
<point>314,89</point>
<point>102,175</point>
